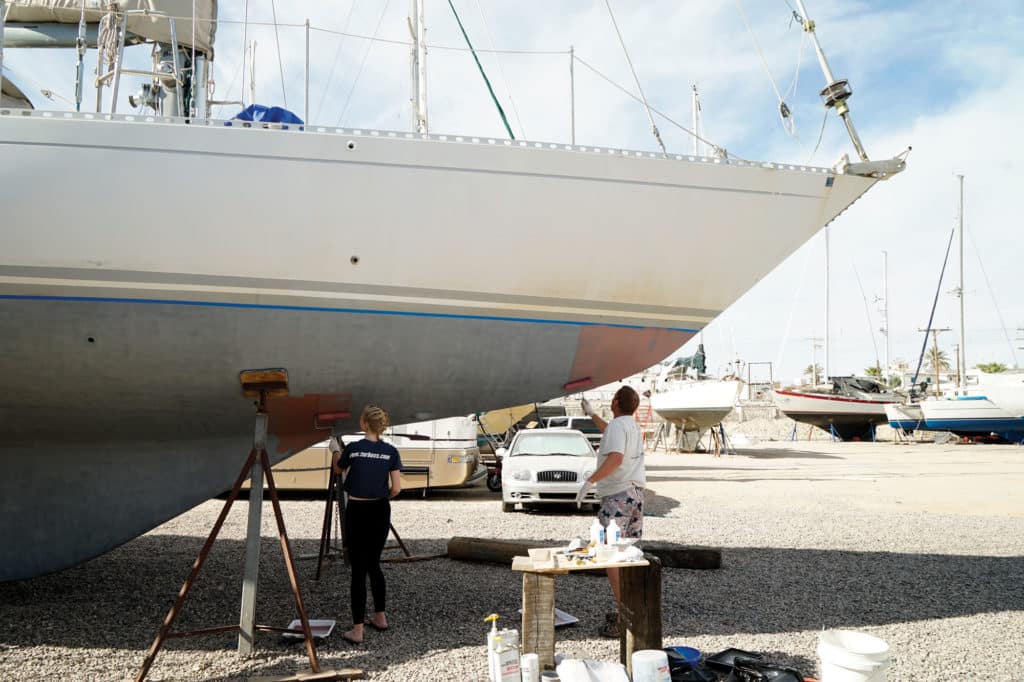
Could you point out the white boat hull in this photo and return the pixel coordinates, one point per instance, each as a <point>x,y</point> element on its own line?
<point>146,263</point>
<point>693,407</point>
<point>994,406</point>
<point>905,417</point>
<point>847,418</point>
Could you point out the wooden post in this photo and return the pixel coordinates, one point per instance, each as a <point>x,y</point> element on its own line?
<point>539,617</point>
<point>640,611</point>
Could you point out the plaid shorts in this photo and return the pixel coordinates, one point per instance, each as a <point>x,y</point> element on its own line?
<point>627,509</point>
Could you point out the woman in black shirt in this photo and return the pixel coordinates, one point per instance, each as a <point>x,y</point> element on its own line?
<point>371,468</point>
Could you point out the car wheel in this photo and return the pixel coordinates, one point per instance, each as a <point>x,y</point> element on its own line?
<point>508,506</point>
<point>494,482</point>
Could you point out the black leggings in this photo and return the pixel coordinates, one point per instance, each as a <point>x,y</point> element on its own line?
<point>366,530</point>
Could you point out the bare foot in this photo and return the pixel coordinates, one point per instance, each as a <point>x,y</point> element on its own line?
<point>355,635</point>
<point>379,621</point>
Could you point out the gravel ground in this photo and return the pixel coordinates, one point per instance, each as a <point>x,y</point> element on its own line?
<point>837,536</point>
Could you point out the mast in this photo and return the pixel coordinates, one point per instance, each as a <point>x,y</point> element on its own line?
<point>696,121</point>
<point>885,312</point>
<point>828,290</point>
<point>836,92</point>
<point>961,357</point>
<point>418,65</point>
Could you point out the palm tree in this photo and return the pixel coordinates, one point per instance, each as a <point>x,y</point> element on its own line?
<point>938,361</point>
<point>991,367</point>
<point>814,371</point>
<point>873,371</point>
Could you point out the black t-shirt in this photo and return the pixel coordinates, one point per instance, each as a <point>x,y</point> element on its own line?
<point>369,464</point>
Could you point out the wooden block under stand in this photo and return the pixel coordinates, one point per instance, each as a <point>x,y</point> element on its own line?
<point>640,612</point>
<point>538,635</point>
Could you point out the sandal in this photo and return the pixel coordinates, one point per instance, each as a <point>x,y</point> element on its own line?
<point>610,629</point>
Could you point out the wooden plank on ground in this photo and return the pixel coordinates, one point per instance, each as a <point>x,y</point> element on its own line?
<point>504,551</point>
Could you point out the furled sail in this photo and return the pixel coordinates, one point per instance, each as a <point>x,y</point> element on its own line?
<point>150,27</point>
<point>11,96</point>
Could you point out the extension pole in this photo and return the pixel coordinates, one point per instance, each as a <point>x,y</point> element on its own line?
<point>828,290</point>
<point>885,299</point>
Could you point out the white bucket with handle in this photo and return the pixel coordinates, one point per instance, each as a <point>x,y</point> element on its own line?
<point>850,656</point>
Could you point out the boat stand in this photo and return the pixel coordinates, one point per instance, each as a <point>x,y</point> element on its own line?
<point>329,551</point>
<point>260,384</point>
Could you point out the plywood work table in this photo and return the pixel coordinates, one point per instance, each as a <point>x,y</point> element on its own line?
<point>639,612</point>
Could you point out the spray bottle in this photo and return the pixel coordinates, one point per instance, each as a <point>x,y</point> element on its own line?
<point>502,653</point>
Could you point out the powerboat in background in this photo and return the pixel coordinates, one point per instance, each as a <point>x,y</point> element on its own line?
<point>850,410</point>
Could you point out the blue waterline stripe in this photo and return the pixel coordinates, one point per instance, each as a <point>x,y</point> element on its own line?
<point>358,311</point>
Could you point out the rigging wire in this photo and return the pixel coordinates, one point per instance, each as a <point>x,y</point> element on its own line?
<point>362,64</point>
<point>647,107</point>
<point>610,81</point>
<point>334,64</point>
<point>245,47</point>
<point>501,70</point>
<point>785,115</point>
<point>792,309</point>
<point>487,82</point>
<point>992,293</point>
<point>867,312</point>
<point>280,62</point>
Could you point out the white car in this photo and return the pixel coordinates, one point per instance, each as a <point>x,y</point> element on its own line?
<point>546,466</point>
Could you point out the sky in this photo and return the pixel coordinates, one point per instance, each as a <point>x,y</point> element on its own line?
<point>946,78</point>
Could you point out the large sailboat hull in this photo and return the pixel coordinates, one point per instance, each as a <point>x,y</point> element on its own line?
<point>147,262</point>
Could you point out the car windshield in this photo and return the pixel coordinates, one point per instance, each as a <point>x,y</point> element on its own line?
<point>552,444</point>
<point>585,425</point>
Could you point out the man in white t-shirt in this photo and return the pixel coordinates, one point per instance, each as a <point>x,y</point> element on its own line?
<point>619,478</point>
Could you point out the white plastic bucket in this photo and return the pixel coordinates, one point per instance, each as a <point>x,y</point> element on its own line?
<point>650,665</point>
<point>850,656</point>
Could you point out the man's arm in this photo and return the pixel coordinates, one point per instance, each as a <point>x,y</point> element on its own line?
<point>612,462</point>
<point>589,410</point>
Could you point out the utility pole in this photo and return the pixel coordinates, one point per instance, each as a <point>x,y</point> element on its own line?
<point>935,352</point>
<point>816,343</point>
<point>696,121</point>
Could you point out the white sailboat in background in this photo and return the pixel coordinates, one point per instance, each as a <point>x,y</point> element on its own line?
<point>980,404</point>
<point>179,250</point>
<point>691,401</point>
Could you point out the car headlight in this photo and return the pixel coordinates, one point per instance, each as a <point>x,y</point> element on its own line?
<point>587,474</point>
<point>461,459</point>
<point>521,475</point>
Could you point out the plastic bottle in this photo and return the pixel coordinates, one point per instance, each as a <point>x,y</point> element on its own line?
<point>597,533</point>
<point>530,666</point>
<point>614,533</point>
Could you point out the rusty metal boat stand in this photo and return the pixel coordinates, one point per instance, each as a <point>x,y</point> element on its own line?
<point>259,384</point>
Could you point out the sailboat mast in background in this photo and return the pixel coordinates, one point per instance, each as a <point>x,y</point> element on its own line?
<point>961,352</point>
<point>418,65</point>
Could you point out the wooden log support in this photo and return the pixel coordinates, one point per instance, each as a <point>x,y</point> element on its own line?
<point>503,551</point>
<point>640,612</point>
<point>539,618</point>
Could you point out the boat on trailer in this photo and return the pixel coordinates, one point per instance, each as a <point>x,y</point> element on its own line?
<point>179,251</point>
